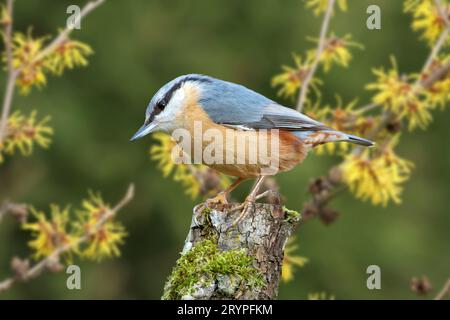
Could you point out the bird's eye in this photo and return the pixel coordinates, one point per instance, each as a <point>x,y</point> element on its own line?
<point>161,105</point>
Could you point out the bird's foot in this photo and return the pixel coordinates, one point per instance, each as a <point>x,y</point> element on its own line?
<point>246,208</point>
<point>219,199</point>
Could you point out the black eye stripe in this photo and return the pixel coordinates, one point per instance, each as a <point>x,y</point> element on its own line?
<point>161,104</point>
<point>178,85</point>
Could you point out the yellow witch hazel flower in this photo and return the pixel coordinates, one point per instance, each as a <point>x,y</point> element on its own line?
<point>290,261</point>
<point>438,94</point>
<point>402,96</point>
<point>336,51</point>
<point>320,6</point>
<point>427,18</point>
<point>25,53</point>
<point>69,54</point>
<point>103,238</point>
<point>34,66</point>
<point>24,132</point>
<point>376,178</point>
<point>49,234</point>
<point>291,79</point>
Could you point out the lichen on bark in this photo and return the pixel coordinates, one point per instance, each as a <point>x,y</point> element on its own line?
<point>222,261</point>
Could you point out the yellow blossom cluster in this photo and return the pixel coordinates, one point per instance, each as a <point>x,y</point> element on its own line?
<point>49,234</point>
<point>320,6</point>
<point>335,51</point>
<point>23,132</point>
<point>33,64</point>
<point>376,177</point>
<point>103,233</point>
<point>90,232</point>
<point>290,261</point>
<point>192,177</point>
<point>291,78</point>
<point>438,93</point>
<point>428,18</point>
<point>405,96</point>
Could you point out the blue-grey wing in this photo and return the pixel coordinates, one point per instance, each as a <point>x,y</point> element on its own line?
<point>232,104</point>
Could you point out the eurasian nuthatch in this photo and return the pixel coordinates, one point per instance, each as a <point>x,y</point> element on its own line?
<point>223,106</point>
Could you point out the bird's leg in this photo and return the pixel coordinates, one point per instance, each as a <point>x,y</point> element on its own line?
<point>249,201</point>
<point>221,197</point>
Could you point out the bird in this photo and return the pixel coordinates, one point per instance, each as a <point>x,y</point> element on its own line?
<point>229,107</point>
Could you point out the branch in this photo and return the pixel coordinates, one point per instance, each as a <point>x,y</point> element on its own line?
<point>18,210</point>
<point>441,11</point>
<point>52,259</point>
<point>444,291</point>
<point>436,48</point>
<point>9,91</point>
<point>320,47</point>
<point>14,73</point>
<point>63,35</point>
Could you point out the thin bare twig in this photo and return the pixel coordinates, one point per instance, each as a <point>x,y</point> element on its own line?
<point>320,47</point>
<point>9,91</point>
<point>14,73</point>
<point>436,48</point>
<point>43,264</point>
<point>17,210</point>
<point>441,40</point>
<point>442,11</point>
<point>444,291</point>
<point>368,107</point>
<point>63,35</point>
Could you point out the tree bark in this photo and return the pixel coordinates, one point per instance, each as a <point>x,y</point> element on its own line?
<point>222,261</point>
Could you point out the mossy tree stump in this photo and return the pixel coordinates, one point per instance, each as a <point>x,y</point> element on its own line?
<point>222,261</point>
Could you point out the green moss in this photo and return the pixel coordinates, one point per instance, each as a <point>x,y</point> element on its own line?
<point>204,263</point>
<point>292,216</point>
<point>206,211</point>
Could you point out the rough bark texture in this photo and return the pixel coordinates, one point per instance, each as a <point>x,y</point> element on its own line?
<point>232,262</point>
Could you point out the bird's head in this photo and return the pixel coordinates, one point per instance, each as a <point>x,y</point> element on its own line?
<point>167,104</point>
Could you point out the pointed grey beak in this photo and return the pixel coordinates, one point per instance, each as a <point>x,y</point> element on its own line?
<point>144,130</point>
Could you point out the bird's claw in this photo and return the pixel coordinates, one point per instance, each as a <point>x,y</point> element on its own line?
<point>219,199</point>
<point>247,207</point>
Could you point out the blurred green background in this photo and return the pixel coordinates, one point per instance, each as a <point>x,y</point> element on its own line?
<point>140,45</point>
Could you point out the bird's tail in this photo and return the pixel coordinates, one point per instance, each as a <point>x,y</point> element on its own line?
<point>315,138</point>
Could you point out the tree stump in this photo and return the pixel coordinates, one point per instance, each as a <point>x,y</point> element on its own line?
<point>222,261</point>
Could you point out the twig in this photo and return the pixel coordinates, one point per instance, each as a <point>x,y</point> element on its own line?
<point>14,73</point>
<point>88,8</point>
<point>9,91</point>
<point>39,267</point>
<point>441,11</point>
<point>441,40</point>
<point>444,291</point>
<point>320,47</point>
<point>436,48</point>
<point>18,210</point>
<point>367,108</point>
